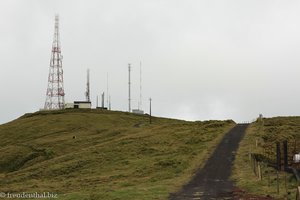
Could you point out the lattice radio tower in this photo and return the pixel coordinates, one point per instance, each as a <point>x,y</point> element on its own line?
<point>55,91</point>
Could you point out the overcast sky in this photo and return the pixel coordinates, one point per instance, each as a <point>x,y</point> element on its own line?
<point>201,59</point>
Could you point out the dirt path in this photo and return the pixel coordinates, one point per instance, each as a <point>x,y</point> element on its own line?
<point>212,181</point>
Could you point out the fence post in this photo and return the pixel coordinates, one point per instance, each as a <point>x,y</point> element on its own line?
<point>259,171</point>
<point>278,156</point>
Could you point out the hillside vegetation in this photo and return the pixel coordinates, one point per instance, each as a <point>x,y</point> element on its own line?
<point>93,154</point>
<point>260,139</point>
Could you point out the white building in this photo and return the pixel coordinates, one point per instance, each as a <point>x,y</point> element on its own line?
<point>79,104</point>
<point>82,104</point>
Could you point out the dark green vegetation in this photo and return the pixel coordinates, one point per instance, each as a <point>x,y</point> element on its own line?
<point>260,139</point>
<point>89,154</point>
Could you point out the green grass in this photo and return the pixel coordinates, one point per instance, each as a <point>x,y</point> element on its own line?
<point>261,138</point>
<point>115,155</point>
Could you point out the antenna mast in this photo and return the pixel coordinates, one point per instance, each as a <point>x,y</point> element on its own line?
<point>55,95</point>
<point>129,99</point>
<point>140,103</point>
<point>107,101</point>
<point>87,93</point>
<point>150,110</point>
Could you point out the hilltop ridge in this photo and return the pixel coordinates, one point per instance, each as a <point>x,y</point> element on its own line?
<point>93,154</point>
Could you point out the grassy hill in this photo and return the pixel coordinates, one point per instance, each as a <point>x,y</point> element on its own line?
<point>260,139</point>
<point>93,154</point>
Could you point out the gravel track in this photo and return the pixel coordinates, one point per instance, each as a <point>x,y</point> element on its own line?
<point>213,180</point>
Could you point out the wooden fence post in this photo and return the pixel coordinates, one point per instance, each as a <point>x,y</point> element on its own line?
<point>259,171</point>
<point>298,193</point>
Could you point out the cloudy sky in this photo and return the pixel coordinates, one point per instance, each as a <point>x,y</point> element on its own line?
<point>201,59</point>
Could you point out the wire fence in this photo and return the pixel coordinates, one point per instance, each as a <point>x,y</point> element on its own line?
<point>265,169</point>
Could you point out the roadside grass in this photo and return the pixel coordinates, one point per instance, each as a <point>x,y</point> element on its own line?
<point>93,154</point>
<point>261,138</point>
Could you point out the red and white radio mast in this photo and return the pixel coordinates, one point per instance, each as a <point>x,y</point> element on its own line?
<point>55,96</point>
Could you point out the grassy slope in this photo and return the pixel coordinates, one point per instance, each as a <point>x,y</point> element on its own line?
<point>267,133</point>
<point>115,155</point>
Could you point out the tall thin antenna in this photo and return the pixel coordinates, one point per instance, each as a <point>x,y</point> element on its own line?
<point>107,102</point>
<point>140,102</point>
<point>129,99</point>
<point>150,110</point>
<point>87,93</point>
<point>55,95</point>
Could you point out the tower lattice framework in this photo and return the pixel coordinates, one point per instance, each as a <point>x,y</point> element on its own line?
<point>55,90</point>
